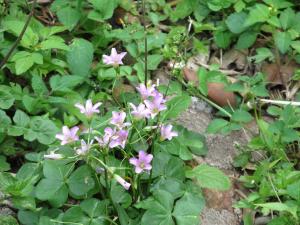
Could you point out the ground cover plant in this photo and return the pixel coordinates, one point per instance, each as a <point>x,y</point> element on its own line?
<point>88,134</point>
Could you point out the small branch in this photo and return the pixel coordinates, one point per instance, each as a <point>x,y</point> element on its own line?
<point>227,72</point>
<point>279,102</point>
<point>4,61</point>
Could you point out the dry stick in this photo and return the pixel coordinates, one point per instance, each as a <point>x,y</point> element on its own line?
<point>4,61</point>
<point>278,102</point>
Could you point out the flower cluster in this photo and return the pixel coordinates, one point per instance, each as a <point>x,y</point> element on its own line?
<point>116,134</point>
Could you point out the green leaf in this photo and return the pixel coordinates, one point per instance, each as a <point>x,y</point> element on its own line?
<point>235,22</point>
<point>168,166</point>
<point>104,9</point>
<point>159,211</point>
<point>23,64</point>
<point>187,209</point>
<point>209,177</point>
<point>54,42</point>
<point>278,206</point>
<point>246,40</point>
<point>68,16</point>
<point>4,166</point>
<point>262,54</point>
<point>283,41</point>
<point>296,45</point>
<point>222,39</point>
<point>183,9</point>
<point>43,129</point>
<point>94,208</point>
<point>241,116</point>
<point>81,181</point>
<point>293,190</point>
<point>154,61</point>
<point>64,83</point>
<point>80,57</point>
<point>4,120</point>
<point>21,119</point>
<point>30,38</point>
<point>6,99</point>
<point>216,125</point>
<point>38,85</point>
<point>259,13</point>
<point>28,217</point>
<point>176,106</point>
<point>287,18</point>
<point>8,220</point>
<point>120,196</point>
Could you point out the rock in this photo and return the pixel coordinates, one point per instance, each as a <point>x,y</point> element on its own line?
<point>212,216</point>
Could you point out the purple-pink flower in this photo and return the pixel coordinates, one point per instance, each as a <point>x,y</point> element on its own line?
<point>89,109</point>
<point>148,91</point>
<point>108,134</point>
<point>167,133</point>
<point>118,119</point>
<point>114,58</point>
<point>119,139</point>
<point>156,105</point>
<point>140,111</point>
<point>113,138</point>
<point>85,147</point>
<point>142,163</point>
<point>68,135</point>
<point>121,181</point>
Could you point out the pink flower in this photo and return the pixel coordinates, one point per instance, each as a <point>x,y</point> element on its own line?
<point>142,163</point>
<point>147,91</point>
<point>89,109</point>
<point>156,105</point>
<point>53,155</point>
<point>118,119</point>
<point>68,135</point>
<point>140,112</point>
<point>121,181</point>
<point>108,134</point>
<point>114,59</point>
<point>84,148</point>
<point>119,139</point>
<point>113,138</point>
<point>167,133</point>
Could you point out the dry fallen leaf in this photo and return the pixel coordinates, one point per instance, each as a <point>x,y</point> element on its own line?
<point>279,75</point>
<point>216,91</point>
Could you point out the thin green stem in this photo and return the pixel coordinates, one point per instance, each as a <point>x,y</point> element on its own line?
<point>145,40</point>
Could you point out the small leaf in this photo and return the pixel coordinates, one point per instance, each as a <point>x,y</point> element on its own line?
<point>241,116</point>
<point>216,125</point>
<point>209,177</point>
<point>283,41</point>
<point>6,99</point>
<point>69,17</point>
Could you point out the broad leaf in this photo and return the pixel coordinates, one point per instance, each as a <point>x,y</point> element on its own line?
<point>209,177</point>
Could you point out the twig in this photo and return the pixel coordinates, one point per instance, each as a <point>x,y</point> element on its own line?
<point>20,36</point>
<point>278,102</point>
<point>227,72</point>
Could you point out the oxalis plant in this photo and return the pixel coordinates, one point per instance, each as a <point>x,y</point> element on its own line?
<point>121,165</point>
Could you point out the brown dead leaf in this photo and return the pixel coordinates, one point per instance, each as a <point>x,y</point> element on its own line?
<point>234,59</point>
<point>279,75</point>
<point>216,91</point>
